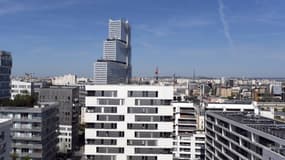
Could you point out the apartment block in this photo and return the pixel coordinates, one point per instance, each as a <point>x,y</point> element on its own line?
<point>188,141</point>
<point>5,138</point>
<point>243,136</point>
<point>20,88</point>
<point>34,130</point>
<point>69,110</point>
<point>128,122</point>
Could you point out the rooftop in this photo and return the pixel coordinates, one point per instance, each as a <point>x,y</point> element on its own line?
<point>269,126</point>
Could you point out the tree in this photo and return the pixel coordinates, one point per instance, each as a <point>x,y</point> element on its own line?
<point>20,100</point>
<point>27,158</point>
<point>14,156</point>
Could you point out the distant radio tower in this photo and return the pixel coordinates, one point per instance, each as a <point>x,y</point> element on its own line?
<point>194,75</point>
<point>156,74</point>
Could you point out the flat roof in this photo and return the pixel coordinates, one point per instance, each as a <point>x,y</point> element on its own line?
<point>267,125</point>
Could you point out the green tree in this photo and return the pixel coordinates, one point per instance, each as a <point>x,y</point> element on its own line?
<point>27,158</point>
<point>14,156</point>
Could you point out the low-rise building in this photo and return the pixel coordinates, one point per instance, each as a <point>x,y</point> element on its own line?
<point>20,88</point>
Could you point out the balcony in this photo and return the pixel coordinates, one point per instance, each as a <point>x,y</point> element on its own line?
<point>30,146</point>
<point>27,119</point>
<point>34,138</point>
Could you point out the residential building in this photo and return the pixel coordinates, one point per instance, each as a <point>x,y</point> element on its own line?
<point>69,110</point>
<point>5,139</point>
<point>64,80</point>
<point>243,135</point>
<point>128,122</point>
<point>115,66</point>
<point>34,130</point>
<point>26,87</point>
<point>5,78</point>
<point>189,142</point>
<point>20,88</point>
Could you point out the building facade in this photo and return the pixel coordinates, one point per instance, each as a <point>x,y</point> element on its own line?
<point>5,138</point>
<point>68,79</point>
<point>115,66</point>
<point>34,131</point>
<point>189,142</point>
<point>5,74</point>
<point>20,88</point>
<point>243,135</point>
<point>128,122</point>
<point>69,110</point>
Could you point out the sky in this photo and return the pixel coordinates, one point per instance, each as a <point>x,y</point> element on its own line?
<point>242,38</point>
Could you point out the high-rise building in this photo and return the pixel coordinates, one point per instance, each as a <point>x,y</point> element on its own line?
<point>69,110</point>
<point>5,71</point>
<point>243,135</point>
<point>5,138</point>
<point>128,122</point>
<point>33,130</point>
<point>115,66</point>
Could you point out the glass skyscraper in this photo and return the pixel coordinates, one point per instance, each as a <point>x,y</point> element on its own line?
<point>115,66</point>
<point>5,74</point>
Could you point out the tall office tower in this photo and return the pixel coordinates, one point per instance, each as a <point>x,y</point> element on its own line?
<point>5,72</point>
<point>69,110</point>
<point>34,131</point>
<point>128,122</point>
<point>5,138</point>
<point>243,135</point>
<point>189,142</point>
<point>115,66</point>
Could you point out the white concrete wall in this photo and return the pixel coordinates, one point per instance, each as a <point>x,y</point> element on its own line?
<point>164,92</point>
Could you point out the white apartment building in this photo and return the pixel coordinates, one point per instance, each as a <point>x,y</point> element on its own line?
<point>65,80</point>
<point>21,88</point>
<point>188,141</point>
<point>5,139</point>
<point>128,122</point>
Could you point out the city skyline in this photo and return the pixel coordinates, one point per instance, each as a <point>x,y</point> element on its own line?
<point>216,38</point>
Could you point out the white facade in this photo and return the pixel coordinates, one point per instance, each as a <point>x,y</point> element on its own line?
<point>128,122</point>
<point>68,79</point>
<point>119,29</point>
<point>230,107</point>
<point>65,138</point>
<point>5,139</point>
<point>21,88</point>
<point>188,142</point>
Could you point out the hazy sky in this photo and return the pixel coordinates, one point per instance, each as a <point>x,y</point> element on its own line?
<point>216,37</point>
